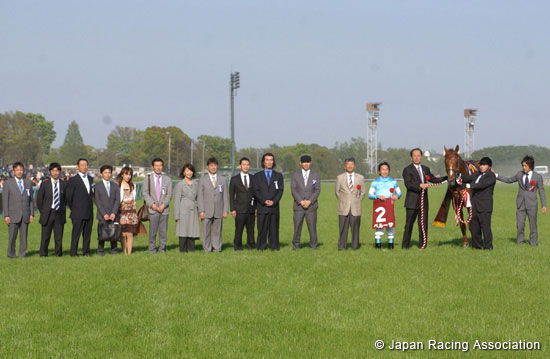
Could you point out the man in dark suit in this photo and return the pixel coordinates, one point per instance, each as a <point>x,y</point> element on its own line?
<point>80,201</point>
<point>51,204</point>
<point>482,184</point>
<point>241,203</point>
<point>18,209</point>
<point>268,190</point>
<point>416,178</point>
<point>107,201</point>
<point>529,183</point>
<point>305,188</point>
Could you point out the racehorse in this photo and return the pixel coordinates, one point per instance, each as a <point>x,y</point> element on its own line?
<point>456,195</point>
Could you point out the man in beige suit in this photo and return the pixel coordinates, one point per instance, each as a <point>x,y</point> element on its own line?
<point>350,190</point>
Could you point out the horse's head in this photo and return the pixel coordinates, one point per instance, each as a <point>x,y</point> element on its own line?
<point>452,164</point>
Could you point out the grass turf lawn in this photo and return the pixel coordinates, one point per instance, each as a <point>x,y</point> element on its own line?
<point>286,304</point>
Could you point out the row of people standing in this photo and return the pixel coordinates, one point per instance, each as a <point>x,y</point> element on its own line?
<point>250,199</point>
<point>115,202</point>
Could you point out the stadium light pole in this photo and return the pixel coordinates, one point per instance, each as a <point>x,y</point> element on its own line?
<point>470,115</point>
<point>191,160</point>
<point>234,84</point>
<point>373,115</point>
<point>169,149</point>
<point>202,145</point>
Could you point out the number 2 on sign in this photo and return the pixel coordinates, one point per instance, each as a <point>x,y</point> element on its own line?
<point>381,212</point>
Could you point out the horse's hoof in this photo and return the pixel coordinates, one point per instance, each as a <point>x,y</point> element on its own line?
<point>466,245</point>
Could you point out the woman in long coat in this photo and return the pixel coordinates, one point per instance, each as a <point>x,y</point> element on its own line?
<point>186,212</point>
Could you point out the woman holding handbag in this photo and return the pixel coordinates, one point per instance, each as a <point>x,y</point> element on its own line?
<point>128,216</point>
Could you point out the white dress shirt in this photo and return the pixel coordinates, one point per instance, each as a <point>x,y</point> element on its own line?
<point>85,180</point>
<point>305,175</point>
<point>53,191</point>
<point>247,176</point>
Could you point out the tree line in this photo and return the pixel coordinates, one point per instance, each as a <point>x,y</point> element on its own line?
<point>28,137</point>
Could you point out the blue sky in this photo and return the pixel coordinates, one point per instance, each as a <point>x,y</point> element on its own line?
<point>307,68</point>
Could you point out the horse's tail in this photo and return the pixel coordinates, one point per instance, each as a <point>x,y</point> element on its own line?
<point>441,217</point>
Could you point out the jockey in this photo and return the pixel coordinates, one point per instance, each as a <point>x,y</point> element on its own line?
<point>384,187</point>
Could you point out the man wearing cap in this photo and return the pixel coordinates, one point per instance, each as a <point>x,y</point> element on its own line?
<point>482,184</point>
<point>350,190</point>
<point>416,178</point>
<point>305,188</point>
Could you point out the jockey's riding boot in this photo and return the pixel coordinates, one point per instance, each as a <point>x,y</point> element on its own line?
<point>378,245</point>
<point>390,245</point>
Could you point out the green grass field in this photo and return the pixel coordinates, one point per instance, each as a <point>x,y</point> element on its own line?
<point>286,304</point>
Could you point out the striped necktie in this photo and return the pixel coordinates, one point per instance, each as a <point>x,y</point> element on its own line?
<point>20,186</point>
<point>350,183</point>
<point>56,196</point>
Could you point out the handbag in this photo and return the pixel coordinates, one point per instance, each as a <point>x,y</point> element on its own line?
<point>110,231</point>
<point>143,212</point>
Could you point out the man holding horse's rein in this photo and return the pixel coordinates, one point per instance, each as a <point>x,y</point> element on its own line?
<point>416,178</point>
<point>482,184</point>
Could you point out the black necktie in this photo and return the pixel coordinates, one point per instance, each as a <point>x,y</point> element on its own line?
<point>526,181</point>
<point>245,182</point>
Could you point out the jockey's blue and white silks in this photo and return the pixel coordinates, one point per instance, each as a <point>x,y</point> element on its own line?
<point>381,187</point>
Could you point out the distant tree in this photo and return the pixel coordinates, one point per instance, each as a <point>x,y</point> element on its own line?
<point>218,147</point>
<point>21,140</point>
<point>73,146</point>
<point>44,131</point>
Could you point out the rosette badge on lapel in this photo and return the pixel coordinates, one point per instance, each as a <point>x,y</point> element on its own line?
<point>358,190</point>
<point>533,184</point>
<point>276,184</point>
<point>427,178</point>
<point>313,184</point>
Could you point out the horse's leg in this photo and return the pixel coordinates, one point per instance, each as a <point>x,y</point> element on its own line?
<point>463,229</point>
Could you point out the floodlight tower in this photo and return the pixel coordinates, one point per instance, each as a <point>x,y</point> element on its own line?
<point>234,84</point>
<point>373,114</point>
<point>470,115</point>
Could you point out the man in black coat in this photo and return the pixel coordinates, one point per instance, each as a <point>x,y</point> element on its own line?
<point>482,184</point>
<point>268,190</point>
<point>416,178</point>
<point>51,204</point>
<point>80,200</point>
<point>242,205</point>
<point>107,201</point>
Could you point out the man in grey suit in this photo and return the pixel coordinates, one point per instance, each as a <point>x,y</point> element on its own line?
<point>305,188</point>
<point>213,206</point>
<point>107,201</point>
<point>157,193</point>
<point>18,209</point>
<point>529,183</point>
<point>350,191</point>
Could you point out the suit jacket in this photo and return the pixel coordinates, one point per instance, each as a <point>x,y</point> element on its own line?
<point>18,206</point>
<point>482,192</point>
<point>150,195</point>
<point>212,200</point>
<point>412,180</point>
<point>302,192</point>
<point>349,200</point>
<point>78,199</point>
<point>44,200</point>
<point>272,191</point>
<point>525,196</point>
<point>107,204</point>
<point>241,199</point>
